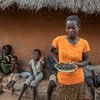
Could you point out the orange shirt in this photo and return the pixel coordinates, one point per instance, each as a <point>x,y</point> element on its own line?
<point>70,53</point>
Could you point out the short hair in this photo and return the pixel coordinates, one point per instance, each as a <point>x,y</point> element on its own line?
<point>9,47</point>
<point>37,50</point>
<point>74,18</point>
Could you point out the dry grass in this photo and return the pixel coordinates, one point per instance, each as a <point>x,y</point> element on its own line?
<point>87,6</point>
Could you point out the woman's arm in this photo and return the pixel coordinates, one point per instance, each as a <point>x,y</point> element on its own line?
<point>84,62</point>
<point>51,49</point>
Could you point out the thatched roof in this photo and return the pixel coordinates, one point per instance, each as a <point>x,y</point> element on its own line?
<point>87,6</point>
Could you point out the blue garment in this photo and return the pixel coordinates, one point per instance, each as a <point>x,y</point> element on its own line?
<point>88,71</point>
<point>88,75</point>
<point>24,74</point>
<point>89,80</point>
<point>51,63</point>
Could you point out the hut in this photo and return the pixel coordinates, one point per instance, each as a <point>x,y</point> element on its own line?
<point>29,24</point>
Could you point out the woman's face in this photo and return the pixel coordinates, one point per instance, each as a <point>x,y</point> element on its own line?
<point>72,28</point>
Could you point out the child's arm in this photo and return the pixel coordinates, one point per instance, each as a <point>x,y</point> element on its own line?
<point>18,66</point>
<point>7,60</point>
<point>4,60</point>
<point>41,67</point>
<point>32,73</point>
<point>41,63</point>
<point>12,67</point>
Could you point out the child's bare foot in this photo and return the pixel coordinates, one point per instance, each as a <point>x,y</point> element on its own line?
<point>1,89</point>
<point>12,90</point>
<point>89,98</point>
<point>98,92</point>
<point>19,98</point>
<point>7,86</point>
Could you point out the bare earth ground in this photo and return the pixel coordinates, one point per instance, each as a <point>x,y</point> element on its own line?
<point>41,89</point>
<point>8,96</point>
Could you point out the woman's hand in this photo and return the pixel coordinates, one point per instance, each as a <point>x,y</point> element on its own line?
<point>81,64</point>
<point>78,64</point>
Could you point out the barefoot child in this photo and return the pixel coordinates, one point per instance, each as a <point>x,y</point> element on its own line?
<point>36,67</point>
<point>15,69</point>
<point>52,80</point>
<point>89,79</point>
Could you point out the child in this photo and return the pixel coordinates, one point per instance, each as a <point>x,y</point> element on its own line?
<point>89,78</point>
<point>36,67</point>
<point>6,59</point>
<point>52,81</point>
<point>15,69</point>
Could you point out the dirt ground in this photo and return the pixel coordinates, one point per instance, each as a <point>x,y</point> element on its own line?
<point>8,96</point>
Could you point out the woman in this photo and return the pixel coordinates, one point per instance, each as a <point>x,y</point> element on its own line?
<point>74,49</point>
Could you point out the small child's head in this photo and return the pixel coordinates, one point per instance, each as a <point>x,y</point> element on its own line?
<point>36,54</point>
<point>14,59</point>
<point>6,49</point>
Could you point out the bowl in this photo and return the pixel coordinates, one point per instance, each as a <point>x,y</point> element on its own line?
<point>66,69</point>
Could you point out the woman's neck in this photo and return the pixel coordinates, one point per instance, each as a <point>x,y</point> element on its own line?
<point>73,40</point>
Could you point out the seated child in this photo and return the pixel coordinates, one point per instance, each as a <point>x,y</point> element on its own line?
<point>89,78</point>
<point>5,62</point>
<point>52,81</point>
<point>15,70</point>
<point>36,67</point>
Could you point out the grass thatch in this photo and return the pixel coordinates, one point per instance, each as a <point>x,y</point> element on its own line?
<point>87,6</point>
